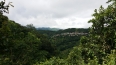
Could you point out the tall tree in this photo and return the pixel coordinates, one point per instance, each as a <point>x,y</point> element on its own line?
<point>102,35</point>
<point>103,30</point>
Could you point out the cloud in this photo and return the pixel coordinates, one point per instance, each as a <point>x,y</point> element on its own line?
<point>54,13</point>
<point>73,23</point>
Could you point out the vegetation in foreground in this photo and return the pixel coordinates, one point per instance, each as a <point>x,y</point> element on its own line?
<point>24,45</point>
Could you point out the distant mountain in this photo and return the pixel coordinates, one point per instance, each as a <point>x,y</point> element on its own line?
<point>48,28</point>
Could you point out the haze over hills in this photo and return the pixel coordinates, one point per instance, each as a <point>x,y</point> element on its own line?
<point>48,28</point>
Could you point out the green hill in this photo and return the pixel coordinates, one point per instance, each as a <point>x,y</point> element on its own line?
<point>65,40</point>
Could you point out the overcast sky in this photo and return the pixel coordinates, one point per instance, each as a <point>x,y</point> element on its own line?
<point>54,13</point>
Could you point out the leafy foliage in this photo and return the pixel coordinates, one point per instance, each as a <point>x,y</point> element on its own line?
<point>20,46</point>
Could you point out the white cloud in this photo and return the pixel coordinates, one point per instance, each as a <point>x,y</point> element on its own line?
<point>54,13</point>
<point>73,23</point>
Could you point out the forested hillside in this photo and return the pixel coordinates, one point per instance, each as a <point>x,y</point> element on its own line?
<point>21,45</point>
<point>26,45</point>
<point>65,40</point>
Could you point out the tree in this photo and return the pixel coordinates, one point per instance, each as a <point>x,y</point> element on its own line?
<point>103,29</point>
<point>5,8</point>
<point>102,35</point>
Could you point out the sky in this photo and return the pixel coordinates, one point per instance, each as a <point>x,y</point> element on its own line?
<point>54,13</point>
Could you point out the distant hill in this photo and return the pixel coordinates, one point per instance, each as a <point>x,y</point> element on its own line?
<point>55,31</point>
<point>64,39</point>
<point>47,28</point>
